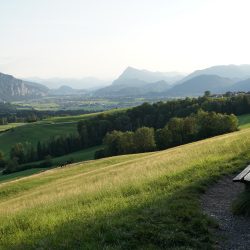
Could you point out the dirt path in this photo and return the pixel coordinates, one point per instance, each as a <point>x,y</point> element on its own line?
<point>234,231</point>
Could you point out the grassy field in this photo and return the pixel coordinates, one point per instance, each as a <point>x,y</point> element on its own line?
<point>83,155</point>
<point>43,130</point>
<point>33,133</point>
<point>143,201</point>
<point>9,126</point>
<point>244,121</point>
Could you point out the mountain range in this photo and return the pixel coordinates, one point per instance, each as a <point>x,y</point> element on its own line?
<point>217,79</point>
<point>16,89</point>
<point>138,83</point>
<point>134,82</point>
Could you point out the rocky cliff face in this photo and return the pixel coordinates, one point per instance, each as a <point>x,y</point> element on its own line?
<point>15,89</point>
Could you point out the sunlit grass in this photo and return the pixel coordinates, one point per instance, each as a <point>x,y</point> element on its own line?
<point>9,126</point>
<point>244,121</point>
<point>32,133</point>
<point>143,201</point>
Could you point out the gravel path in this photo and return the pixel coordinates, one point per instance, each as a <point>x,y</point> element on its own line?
<point>234,231</point>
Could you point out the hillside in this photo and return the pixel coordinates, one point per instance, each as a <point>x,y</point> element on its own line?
<point>198,85</point>
<point>33,133</point>
<point>15,89</point>
<point>241,86</point>
<point>66,90</point>
<point>126,202</point>
<point>43,130</point>
<point>235,72</point>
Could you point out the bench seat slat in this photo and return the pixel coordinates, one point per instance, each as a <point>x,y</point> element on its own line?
<point>247,177</point>
<point>240,177</point>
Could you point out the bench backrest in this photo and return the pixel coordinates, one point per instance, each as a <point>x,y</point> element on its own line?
<point>244,176</point>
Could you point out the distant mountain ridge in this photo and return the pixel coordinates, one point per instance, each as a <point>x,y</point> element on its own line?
<point>241,86</point>
<point>197,85</point>
<point>217,79</point>
<point>138,83</point>
<point>235,72</point>
<point>12,89</point>
<point>135,88</point>
<point>149,76</point>
<point>134,82</point>
<point>74,83</point>
<point>66,90</point>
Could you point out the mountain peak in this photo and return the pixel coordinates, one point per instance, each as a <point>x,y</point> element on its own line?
<point>148,76</point>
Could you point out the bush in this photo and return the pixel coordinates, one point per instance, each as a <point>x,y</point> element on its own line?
<point>47,162</point>
<point>100,154</point>
<point>11,166</point>
<point>2,160</point>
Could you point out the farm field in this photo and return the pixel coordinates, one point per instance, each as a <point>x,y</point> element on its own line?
<point>125,202</point>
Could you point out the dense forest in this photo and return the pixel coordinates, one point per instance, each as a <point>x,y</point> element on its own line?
<point>199,118</point>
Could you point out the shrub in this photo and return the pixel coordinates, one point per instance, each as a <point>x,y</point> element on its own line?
<point>11,166</point>
<point>47,162</point>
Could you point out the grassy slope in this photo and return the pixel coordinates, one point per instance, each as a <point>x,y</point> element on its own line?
<point>9,126</point>
<point>83,155</point>
<point>244,121</point>
<point>33,133</point>
<point>143,201</point>
<point>42,131</point>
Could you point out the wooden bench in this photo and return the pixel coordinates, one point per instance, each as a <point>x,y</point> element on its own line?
<point>244,177</point>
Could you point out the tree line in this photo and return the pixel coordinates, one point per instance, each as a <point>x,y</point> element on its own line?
<point>92,131</point>
<point>176,132</point>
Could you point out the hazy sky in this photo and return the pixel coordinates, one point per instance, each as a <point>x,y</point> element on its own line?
<point>76,38</point>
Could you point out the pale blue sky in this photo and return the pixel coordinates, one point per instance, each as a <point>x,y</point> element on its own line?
<point>76,38</point>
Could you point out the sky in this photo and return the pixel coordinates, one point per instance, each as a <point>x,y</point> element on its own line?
<point>100,38</point>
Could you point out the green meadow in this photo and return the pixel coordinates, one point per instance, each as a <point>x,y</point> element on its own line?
<point>33,133</point>
<point>10,126</point>
<point>141,201</point>
<point>244,121</point>
<point>82,155</point>
<point>42,130</point>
